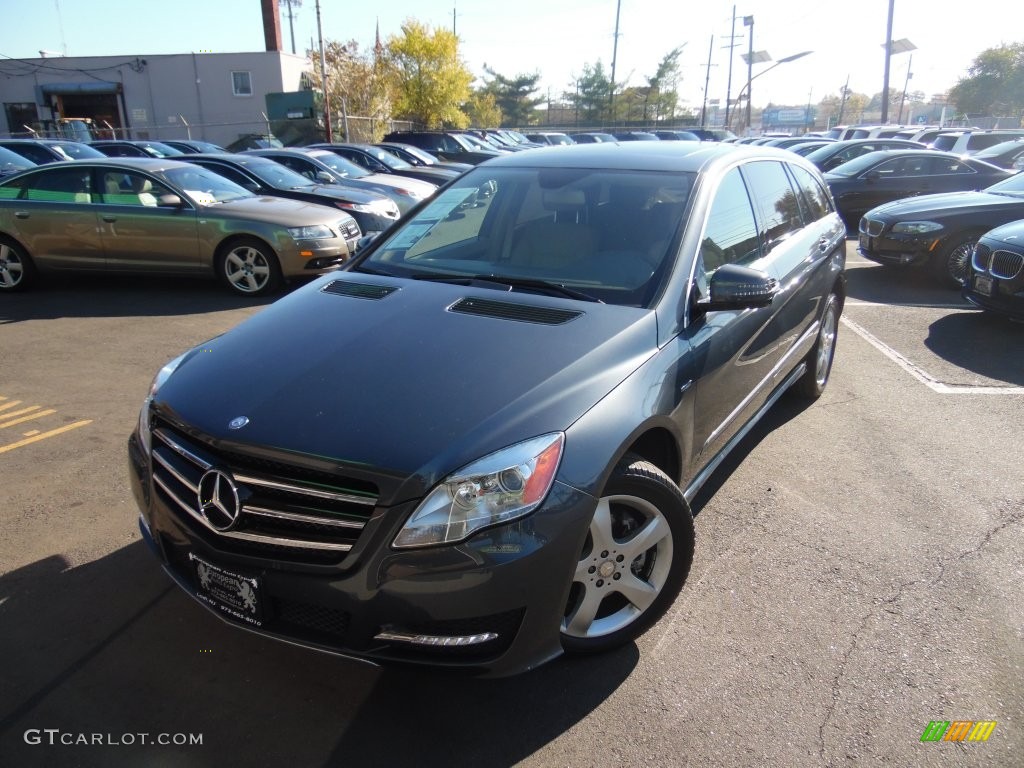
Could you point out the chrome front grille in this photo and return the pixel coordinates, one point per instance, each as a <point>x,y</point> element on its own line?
<point>349,229</point>
<point>281,511</point>
<point>871,227</point>
<point>1006,265</point>
<point>981,257</point>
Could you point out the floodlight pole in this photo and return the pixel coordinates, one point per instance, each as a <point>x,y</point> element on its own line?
<point>748,21</point>
<point>888,55</point>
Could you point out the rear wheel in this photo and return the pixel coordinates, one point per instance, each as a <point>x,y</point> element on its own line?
<point>17,272</point>
<point>249,267</point>
<point>634,562</point>
<point>950,264</point>
<point>819,359</point>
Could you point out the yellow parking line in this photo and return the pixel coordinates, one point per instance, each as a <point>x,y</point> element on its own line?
<point>10,404</point>
<point>21,412</point>
<point>26,418</point>
<point>43,436</point>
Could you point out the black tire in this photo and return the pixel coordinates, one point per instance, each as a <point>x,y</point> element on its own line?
<point>950,264</point>
<point>634,562</point>
<point>17,270</point>
<point>248,267</point>
<point>819,359</point>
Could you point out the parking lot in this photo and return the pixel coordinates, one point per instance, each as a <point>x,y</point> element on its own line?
<point>857,574</point>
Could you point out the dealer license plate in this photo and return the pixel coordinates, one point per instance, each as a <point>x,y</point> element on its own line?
<point>983,285</point>
<point>865,242</point>
<point>238,595</point>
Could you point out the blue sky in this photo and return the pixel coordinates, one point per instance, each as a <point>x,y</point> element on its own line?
<point>557,39</point>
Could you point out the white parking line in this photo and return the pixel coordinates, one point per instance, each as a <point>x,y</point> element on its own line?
<point>923,305</point>
<point>922,375</point>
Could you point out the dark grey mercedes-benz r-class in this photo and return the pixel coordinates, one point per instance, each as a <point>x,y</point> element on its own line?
<point>475,445</point>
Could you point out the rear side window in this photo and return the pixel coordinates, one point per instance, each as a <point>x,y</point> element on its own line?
<point>35,154</point>
<point>778,206</point>
<point>813,193</point>
<point>67,185</point>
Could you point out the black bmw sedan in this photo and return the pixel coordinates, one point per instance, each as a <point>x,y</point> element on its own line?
<point>880,177</point>
<point>995,273</point>
<point>938,232</point>
<point>483,453</point>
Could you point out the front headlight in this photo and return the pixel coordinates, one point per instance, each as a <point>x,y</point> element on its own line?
<point>496,489</point>
<point>162,375</point>
<point>385,208</point>
<point>316,232</point>
<point>916,227</point>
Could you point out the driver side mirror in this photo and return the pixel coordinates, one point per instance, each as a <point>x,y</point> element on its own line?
<point>169,201</point>
<point>734,287</point>
<point>324,177</point>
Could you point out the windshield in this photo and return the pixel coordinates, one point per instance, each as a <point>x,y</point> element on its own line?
<point>277,175</point>
<point>12,162</point>
<point>1011,186</point>
<point>603,233</point>
<point>996,150</point>
<point>75,150</point>
<point>387,158</point>
<point>158,149</point>
<point>426,157</point>
<point>344,168</point>
<point>204,187</point>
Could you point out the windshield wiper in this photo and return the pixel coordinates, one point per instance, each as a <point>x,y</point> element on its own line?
<point>512,282</point>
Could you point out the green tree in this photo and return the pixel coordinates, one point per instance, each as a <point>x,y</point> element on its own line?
<point>429,79</point>
<point>516,97</point>
<point>590,94</point>
<point>662,97</point>
<point>994,83</point>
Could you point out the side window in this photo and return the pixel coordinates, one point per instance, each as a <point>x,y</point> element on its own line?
<point>903,167</point>
<point>67,185</point>
<point>35,154</point>
<point>814,195</point>
<point>943,166</point>
<point>128,188</point>
<point>731,234</point>
<point>297,165</point>
<point>778,206</point>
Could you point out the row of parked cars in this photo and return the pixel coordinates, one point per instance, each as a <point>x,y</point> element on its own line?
<point>377,184</point>
<point>957,214</point>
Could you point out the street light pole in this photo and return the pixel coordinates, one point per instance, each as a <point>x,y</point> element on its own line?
<point>785,60</point>
<point>748,21</point>
<point>888,55</point>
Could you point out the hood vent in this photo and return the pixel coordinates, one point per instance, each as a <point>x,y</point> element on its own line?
<point>508,311</point>
<point>358,290</point>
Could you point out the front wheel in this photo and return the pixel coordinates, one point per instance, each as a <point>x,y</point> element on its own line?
<point>950,264</point>
<point>634,562</point>
<point>819,360</point>
<point>248,267</point>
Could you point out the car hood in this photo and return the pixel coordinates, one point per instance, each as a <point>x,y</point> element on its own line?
<point>423,188</point>
<point>274,210</point>
<point>348,194</point>
<point>1010,234</point>
<point>946,203</point>
<point>402,388</point>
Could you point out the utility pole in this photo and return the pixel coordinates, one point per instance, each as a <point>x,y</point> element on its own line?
<point>323,77</point>
<point>842,104</point>
<point>707,79</point>
<point>291,5</point>
<point>615,54</point>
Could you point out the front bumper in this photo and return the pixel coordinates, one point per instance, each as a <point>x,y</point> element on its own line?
<point>378,604</point>
<point>1003,297</point>
<point>892,248</point>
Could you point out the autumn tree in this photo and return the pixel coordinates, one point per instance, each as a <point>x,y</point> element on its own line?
<point>358,86</point>
<point>994,84</point>
<point>483,110</point>
<point>428,78</point>
<point>516,96</point>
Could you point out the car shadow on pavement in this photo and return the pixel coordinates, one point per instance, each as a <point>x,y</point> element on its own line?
<point>788,407</point>
<point>123,296</point>
<point>885,284</point>
<point>111,647</point>
<point>987,344</point>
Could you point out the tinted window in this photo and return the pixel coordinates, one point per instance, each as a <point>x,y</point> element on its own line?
<point>945,141</point>
<point>814,194</point>
<point>32,152</point>
<point>230,174</point>
<point>731,234</point>
<point>902,167</point>
<point>778,206</point>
